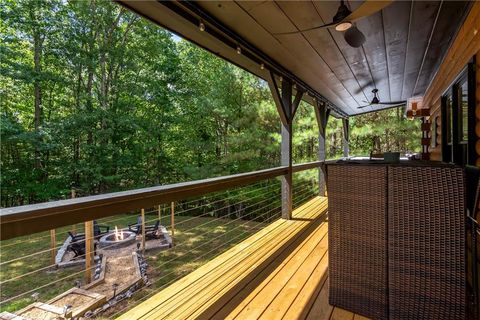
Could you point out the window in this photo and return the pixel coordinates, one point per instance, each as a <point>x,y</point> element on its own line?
<point>458,114</point>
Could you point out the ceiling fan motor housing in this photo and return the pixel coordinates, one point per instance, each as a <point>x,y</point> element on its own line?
<point>342,13</point>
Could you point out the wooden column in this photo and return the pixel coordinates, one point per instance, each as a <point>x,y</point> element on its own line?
<point>143,232</point>
<point>286,109</point>
<point>322,114</point>
<point>172,221</point>
<point>73,195</point>
<point>456,150</point>
<point>160,214</point>
<point>53,245</point>
<point>89,251</point>
<point>346,137</point>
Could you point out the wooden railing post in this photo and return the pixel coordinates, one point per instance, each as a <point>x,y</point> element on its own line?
<point>160,214</point>
<point>321,113</point>
<point>143,232</point>
<point>53,245</point>
<point>172,220</point>
<point>346,137</point>
<point>89,250</point>
<point>286,109</point>
<point>74,226</point>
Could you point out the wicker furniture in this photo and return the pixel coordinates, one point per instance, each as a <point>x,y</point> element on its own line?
<point>358,239</point>
<point>426,243</point>
<point>397,240</point>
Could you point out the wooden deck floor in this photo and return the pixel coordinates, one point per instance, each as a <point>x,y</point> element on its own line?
<point>278,273</point>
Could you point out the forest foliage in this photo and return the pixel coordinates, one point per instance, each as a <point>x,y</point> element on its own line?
<point>97,99</point>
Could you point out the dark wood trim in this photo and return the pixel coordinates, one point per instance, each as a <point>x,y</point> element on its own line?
<point>446,154</point>
<point>472,119</point>
<point>456,149</point>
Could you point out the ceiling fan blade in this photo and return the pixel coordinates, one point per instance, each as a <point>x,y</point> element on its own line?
<point>354,37</point>
<point>366,85</point>
<point>331,24</point>
<point>366,9</point>
<point>393,103</point>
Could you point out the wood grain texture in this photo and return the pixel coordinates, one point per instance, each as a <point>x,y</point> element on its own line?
<point>279,272</point>
<point>465,45</point>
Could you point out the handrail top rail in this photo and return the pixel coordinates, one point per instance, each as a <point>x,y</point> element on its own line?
<point>27,219</point>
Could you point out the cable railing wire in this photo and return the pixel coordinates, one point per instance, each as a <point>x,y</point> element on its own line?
<point>106,247</point>
<point>243,209</point>
<point>180,276</point>
<point>165,209</point>
<point>65,278</point>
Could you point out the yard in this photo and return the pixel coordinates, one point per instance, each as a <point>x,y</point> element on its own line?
<point>197,240</point>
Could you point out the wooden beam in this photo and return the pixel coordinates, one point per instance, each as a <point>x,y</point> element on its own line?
<point>277,97</point>
<point>160,214</point>
<point>321,114</point>
<point>456,109</point>
<point>172,221</point>
<point>89,250</point>
<point>472,119</point>
<point>143,232</point>
<point>296,101</point>
<point>53,245</point>
<point>346,137</point>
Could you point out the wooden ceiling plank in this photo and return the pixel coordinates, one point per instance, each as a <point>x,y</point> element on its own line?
<point>396,21</point>
<point>238,19</point>
<point>299,47</point>
<point>423,18</point>
<point>353,57</point>
<point>303,15</point>
<point>445,29</point>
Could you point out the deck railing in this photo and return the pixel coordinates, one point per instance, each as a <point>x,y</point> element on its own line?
<point>222,211</point>
<point>24,220</point>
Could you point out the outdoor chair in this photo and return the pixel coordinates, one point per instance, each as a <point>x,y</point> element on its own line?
<point>78,248</point>
<point>150,231</point>
<point>99,230</point>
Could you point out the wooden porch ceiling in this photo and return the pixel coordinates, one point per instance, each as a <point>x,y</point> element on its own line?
<point>405,43</point>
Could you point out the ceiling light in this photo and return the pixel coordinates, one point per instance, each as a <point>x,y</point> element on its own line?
<point>343,26</point>
<point>262,66</point>
<point>239,50</point>
<point>201,26</point>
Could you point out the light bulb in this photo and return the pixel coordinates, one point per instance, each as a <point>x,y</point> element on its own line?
<point>239,50</point>
<point>343,26</point>
<point>262,66</point>
<point>201,26</point>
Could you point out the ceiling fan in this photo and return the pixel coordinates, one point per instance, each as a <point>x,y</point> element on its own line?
<point>376,101</point>
<point>344,18</point>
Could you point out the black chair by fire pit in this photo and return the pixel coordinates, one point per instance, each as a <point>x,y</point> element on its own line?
<point>150,231</point>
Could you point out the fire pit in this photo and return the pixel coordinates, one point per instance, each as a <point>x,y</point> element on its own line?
<point>117,239</point>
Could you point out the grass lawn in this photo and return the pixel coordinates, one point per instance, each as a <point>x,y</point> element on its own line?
<point>197,239</point>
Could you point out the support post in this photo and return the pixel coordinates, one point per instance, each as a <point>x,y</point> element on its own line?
<point>287,106</point>
<point>346,137</point>
<point>53,245</point>
<point>172,220</point>
<point>160,214</point>
<point>321,113</point>
<point>89,250</point>
<point>143,232</point>
<point>74,226</point>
